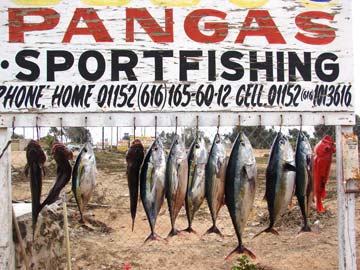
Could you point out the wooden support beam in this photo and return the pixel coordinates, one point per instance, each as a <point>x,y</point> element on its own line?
<point>7,258</point>
<point>346,209</point>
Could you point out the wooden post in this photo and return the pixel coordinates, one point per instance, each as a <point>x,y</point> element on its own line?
<point>7,258</point>
<point>346,209</point>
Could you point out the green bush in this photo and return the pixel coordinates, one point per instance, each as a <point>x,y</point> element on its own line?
<point>244,264</point>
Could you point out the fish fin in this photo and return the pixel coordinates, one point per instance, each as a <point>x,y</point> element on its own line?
<point>240,250</point>
<point>190,230</point>
<point>152,237</point>
<point>267,230</point>
<point>249,170</point>
<point>289,167</point>
<point>215,230</point>
<point>264,198</point>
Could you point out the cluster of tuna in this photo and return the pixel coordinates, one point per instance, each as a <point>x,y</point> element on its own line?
<point>188,178</point>
<point>83,175</point>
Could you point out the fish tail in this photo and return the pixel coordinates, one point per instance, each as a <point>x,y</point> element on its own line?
<point>152,237</point>
<point>319,205</point>
<point>190,230</point>
<point>173,232</point>
<point>267,230</point>
<point>133,224</point>
<point>305,228</point>
<point>240,250</point>
<point>215,230</point>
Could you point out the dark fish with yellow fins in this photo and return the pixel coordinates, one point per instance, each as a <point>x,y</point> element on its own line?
<point>303,179</point>
<point>280,179</point>
<point>134,159</point>
<point>84,178</point>
<point>195,194</point>
<point>240,186</point>
<point>176,180</point>
<point>152,184</point>
<point>215,172</point>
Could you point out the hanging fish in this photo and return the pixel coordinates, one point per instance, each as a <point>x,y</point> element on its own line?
<point>63,173</point>
<point>195,194</point>
<point>152,184</point>
<point>176,180</point>
<point>303,179</point>
<point>36,158</point>
<point>215,172</point>
<point>322,164</point>
<point>280,179</point>
<point>84,178</point>
<point>241,175</point>
<point>134,159</point>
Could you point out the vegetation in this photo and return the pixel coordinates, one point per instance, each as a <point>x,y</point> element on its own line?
<point>244,264</point>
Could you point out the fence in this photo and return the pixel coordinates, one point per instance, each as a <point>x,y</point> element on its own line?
<point>108,242</point>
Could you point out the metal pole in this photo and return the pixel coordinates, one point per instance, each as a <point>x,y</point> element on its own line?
<point>103,138</point>
<point>111,139</point>
<point>117,137</point>
<point>346,209</point>
<point>7,258</point>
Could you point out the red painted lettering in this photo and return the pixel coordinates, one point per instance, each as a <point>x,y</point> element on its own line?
<point>17,25</point>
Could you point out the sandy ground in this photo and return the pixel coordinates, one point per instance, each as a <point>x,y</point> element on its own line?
<point>97,248</point>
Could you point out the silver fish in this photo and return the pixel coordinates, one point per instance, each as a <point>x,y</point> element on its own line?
<point>152,184</point>
<point>303,179</point>
<point>240,187</point>
<point>195,194</point>
<point>215,172</point>
<point>176,180</point>
<point>280,179</point>
<point>84,177</point>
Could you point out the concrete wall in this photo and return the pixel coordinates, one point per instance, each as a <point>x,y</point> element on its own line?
<point>47,250</point>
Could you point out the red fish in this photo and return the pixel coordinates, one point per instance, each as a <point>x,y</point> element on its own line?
<point>321,169</point>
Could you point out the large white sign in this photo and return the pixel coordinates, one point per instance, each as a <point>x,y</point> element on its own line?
<point>213,56</point>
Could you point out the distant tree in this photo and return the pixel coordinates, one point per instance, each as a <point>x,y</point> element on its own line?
<point>78,134</point>
<point>357,127</point>
<point>321,131</point>
<point>260,137</point>
<point>293,134</point>
<point>167,138</point>
<point>17,136</point>
<point>56,133</point>
<point>126,137</point>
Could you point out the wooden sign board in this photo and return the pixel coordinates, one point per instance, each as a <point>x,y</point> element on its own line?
<point>94,62</point>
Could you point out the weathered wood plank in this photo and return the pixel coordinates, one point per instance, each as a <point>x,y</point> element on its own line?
<point>186,119</point>
<point>346,209</point>
<point>6,242</point>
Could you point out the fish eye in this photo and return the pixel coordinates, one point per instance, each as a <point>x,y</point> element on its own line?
<point>155,149</point>
<point>282,142</point>
<point>197,146</point>
<point>242,143</point>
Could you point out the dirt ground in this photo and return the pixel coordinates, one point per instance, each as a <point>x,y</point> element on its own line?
<point>97,247</point>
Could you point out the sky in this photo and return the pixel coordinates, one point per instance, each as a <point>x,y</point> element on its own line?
<point>97,132</point>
